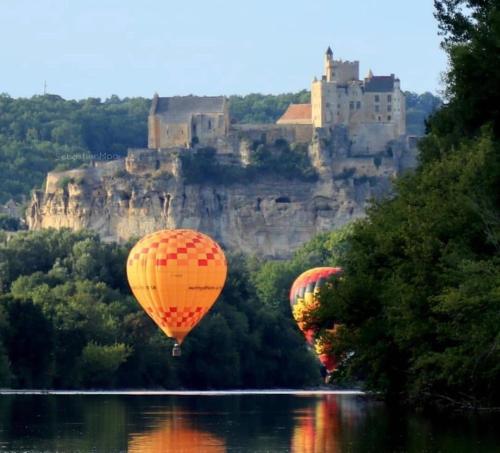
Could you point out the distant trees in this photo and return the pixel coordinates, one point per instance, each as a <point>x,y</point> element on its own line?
<point>9,223</point>
<point>264,108</point>
<point>418,108</point>
<point>68,320</point>
<point>280,160</point>
<point>45,132</point>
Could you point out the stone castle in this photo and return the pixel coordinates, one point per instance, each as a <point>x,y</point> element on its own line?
<point>353,132</point>
<point>372,112</point>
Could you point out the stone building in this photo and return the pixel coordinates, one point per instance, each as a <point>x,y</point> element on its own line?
<point>373,109</point>
<point>370,113</point>
<point>181,121</point>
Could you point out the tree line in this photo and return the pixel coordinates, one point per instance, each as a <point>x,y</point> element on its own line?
<point>418,308</point>
<point>68,320</point>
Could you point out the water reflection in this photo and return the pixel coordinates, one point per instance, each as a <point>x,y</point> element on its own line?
<point>175,434</point>
<point>321,427</point>
<point>235,423</point>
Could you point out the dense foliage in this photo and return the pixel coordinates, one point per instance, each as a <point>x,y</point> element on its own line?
<point>279,160</point>
<point>419,306</point>
<point>258,108</point>
<point>47,132</point>
<point>68,320</point>
<point>418,109</point>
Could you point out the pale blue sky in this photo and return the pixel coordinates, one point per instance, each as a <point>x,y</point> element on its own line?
<point>209,47</point>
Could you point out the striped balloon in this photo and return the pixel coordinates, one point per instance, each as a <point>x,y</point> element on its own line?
<point>303,299</point>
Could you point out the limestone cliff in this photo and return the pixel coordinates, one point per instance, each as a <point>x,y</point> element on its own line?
<point>271,217</point>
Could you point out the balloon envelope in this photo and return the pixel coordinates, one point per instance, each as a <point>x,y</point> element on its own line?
<point>303,298</point>
<point>176,275</point>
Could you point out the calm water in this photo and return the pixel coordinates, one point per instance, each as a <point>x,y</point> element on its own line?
<point>233,423</point>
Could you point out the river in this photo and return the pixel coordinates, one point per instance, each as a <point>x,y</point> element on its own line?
<point>218,422</point>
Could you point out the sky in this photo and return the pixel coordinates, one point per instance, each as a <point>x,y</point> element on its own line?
<point>97,48</point>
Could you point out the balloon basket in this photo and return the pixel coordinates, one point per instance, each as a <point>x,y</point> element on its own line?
<point>176,350</point>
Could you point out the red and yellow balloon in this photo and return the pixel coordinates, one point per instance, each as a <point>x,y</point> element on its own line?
<point>176,275</point>
<point>304,299</point>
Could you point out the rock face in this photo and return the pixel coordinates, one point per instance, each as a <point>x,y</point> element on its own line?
<point>271,217</point>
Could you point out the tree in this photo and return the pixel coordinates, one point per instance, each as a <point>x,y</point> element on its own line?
<point>29,343</point>
<point>99,363</point>
<point>419,299</point>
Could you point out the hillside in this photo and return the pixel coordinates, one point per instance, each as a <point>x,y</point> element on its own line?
<point>44,133</point>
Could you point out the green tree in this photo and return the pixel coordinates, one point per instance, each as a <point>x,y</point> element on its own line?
<point>418,302</point>
<point>99,363</point>
<point>29,344</point>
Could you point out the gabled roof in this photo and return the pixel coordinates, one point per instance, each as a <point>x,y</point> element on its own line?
<point>179,109</point>
<point>297,113</point>
<point>379,84</point>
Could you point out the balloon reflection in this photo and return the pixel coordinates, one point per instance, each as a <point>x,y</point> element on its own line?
<point>175,435</point>
<point>320,428</point>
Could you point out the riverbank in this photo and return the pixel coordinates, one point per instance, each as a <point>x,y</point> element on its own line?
<point>181,392</point>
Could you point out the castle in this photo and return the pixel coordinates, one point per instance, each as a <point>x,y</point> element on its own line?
<point>373,109</point>
<point>353,132</point>
<point>371,112</point>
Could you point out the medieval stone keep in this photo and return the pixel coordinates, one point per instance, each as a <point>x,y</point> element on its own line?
<point>187,120</point>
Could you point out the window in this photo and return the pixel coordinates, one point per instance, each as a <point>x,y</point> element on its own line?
<point>209,124</point>
<point>389,108</point>
<point>377,98</point>
<point>351,105</point>
<point>380,118</point>
<point>389,98</point>
<point>377,108</point>
<point>358,105</point>
<point>389,117</point>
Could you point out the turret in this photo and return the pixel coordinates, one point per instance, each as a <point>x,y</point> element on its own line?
<point>329,64</point>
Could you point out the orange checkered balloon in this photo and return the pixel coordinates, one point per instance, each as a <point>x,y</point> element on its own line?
<point>176,275</point>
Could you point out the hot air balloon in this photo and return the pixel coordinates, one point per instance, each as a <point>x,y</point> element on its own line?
<point>303,299</point>
<point>176,275</point>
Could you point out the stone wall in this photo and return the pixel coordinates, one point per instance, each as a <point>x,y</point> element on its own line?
<point>269,133</point>
<point>147,162</point>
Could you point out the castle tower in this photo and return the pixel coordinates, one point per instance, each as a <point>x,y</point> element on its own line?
<point>153,124</point>
<point>329,65</point>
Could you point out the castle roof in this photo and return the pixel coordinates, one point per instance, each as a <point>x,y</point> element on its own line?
<point>329,51</point>
<point>179,109</point>
<point>379,84</point>
<point>296,113</point>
